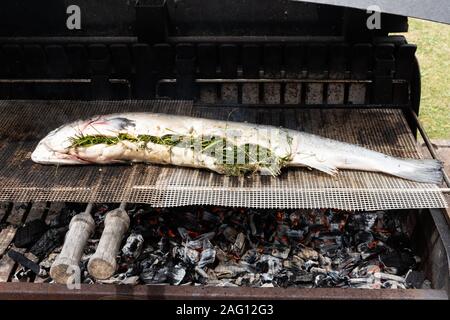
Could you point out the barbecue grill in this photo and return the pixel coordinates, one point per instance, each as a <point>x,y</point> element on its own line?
<point>299,65</point>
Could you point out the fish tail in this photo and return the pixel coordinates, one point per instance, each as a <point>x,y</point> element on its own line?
<point>425,171</point>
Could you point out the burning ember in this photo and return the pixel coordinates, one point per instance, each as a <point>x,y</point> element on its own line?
<point>216,246</point>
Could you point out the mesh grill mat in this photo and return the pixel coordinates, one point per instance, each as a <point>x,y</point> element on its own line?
<point>24,123</point>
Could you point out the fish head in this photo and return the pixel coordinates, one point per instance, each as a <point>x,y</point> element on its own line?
<point>56,147</point>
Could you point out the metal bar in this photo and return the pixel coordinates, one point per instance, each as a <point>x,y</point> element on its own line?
<point>429,145</point>
<point>303,106</point>
<point>55,40</point>
<point>441,220</point>
<point>254,39</point>
<point>24,291</point>
<point>58,81</point>
<point>324,190</point>
<point>181,39</point>
<point>45,80</point>
<point>282,80</point>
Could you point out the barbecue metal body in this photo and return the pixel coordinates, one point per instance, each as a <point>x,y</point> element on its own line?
<point>277,62</point>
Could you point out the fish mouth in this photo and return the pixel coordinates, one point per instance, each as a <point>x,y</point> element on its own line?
<point>43,154</point>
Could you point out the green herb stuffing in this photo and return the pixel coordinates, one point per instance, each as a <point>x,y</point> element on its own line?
<point>91,140</point>
<point>232,160</point>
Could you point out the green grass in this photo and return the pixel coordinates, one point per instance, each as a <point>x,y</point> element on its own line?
<point>433,41</point>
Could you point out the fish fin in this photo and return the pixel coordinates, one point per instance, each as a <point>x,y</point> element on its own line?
<point>425,171</point>
<point>311,161</point>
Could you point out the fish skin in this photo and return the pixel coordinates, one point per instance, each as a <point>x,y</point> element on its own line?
<point>302,149</point>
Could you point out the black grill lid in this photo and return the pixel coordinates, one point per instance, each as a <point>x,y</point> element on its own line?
<point>434,10</point>
<point>155,20</point>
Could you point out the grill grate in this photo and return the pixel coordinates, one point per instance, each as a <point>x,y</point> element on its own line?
<point>24,123</point>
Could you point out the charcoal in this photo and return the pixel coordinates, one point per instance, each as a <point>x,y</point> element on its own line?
<point>153,270</point>
<point>184,233</point>
<point>133,246</point>
<point>398,262</point>
<point>87,279</point>
<point>64,217</point>
<point>249,279</point>
<point>30,233</point>
<point>389,277</point>
<point>252,225</point>
<point>202,273</point>
<point>176,274</point>
<point>208,255</point>
<point>310,264</point>
<point>121,279</point>
<point>364,237</point>
<point>155,275</point>
<point>239,244</point>
<point>295,234</point>
<point>23,274</point>
<point>283,279</point>
<point>357,281</point>
<point>324,261</point>
<point>317,270</point>
<point>415,279</point>
<point>48,261</point>
<point>302,277</point>
<point>229,270</point>
<point>199,242</point>
<point>230,234</point>
<point>321,281</point>
<point>164,245</point>
<point>297,262</point>
<point>398,241</point>
<point>329,279</point>
<point>187,219</point>
<point>190,256</point>
<point>268,266</point>
<point>224,283</point>
<point>390,284</point>
<point>426,284</point>
<point>308,254</point>
<point>25,262</point>
<point>362,222</point>
<point>282,253</point>
<point>52,239</point>
<point>365,271</point>
<point>227,247</point>
<point>210,217</point>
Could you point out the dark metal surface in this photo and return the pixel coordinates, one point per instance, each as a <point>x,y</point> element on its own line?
<point>255,39</point>
<point>151,20</point>
<point>442,223</point>
<point>435,10</point>
<point>28,291</point>
<point>67,40</point>
<point>143,65</point>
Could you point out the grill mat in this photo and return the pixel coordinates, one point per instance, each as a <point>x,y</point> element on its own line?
<point>24,123</point>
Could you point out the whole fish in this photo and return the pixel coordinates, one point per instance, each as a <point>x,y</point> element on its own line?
<point>231,148</point>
